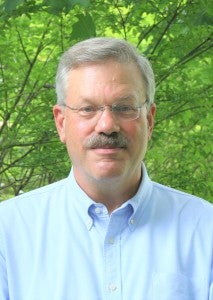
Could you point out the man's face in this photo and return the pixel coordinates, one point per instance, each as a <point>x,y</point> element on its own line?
<point>105,84</point>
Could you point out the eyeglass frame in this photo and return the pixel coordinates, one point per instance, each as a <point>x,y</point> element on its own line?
<point>101,108</point>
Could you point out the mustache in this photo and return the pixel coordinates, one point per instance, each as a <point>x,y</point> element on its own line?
<point>116,140</point>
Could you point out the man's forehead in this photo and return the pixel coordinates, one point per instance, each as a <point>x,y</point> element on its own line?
<point>109,78</point>
<point>115,71</point>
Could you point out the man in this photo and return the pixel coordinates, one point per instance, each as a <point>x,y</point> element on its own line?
<point>107,231</point>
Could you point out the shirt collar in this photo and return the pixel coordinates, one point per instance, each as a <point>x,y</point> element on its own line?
<point>79,200</point>
<point>140,199</point>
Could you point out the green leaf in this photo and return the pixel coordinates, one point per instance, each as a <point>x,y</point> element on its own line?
<point>57,7</point>
<point>81,2</point>
<point>83,28</point>
<point>203,18</point>
<point>11,5</point>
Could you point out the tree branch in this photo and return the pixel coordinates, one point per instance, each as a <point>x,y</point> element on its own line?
<point>175,14</point>
<point>198,50</point>
<point>24,83</point>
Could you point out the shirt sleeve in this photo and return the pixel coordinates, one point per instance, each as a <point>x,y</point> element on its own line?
<point>4,295</point>
<point>211,288</point>
<point>211,292</point>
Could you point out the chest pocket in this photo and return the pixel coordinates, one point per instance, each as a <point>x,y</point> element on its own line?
<point>173,287</point>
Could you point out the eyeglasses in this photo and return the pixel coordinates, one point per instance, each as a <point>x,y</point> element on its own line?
<point>122,111</point>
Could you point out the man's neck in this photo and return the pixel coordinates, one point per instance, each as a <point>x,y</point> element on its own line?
<point>112,192</point>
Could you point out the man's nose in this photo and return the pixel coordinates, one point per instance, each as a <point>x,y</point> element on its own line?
<point>107,122</point>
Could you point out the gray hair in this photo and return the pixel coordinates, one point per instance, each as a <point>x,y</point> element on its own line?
<point>98,50</point>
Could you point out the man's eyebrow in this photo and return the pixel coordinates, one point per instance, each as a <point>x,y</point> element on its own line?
<point>85,100</point>
<point>124,98</point>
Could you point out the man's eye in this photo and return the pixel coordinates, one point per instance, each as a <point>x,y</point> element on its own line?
<point>124,108</point>
<point>87,109</point>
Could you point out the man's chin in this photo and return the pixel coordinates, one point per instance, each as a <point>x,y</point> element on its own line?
<point>108,170</point>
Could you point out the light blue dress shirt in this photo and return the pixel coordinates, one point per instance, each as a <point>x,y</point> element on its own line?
<point>57,244</point>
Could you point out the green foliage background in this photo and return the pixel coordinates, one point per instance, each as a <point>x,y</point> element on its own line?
<point>177,38</point>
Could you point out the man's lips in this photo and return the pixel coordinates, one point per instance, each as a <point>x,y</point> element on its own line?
<point>107,147</point>
<point>107,150</point>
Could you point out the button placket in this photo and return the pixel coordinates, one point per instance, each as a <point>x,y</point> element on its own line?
<point>112,259</point>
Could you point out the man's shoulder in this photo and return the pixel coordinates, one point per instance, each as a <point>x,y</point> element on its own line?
<point>33,197</point>
<point>182,201</point>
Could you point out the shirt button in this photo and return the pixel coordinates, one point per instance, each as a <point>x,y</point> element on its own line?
<point>111,240</point>
<point>132,221</point>
<point>112,287</point>
<point>98,210</point>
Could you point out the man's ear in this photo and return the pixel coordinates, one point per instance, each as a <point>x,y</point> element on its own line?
<point>59,117</point>
<point>150,119</point>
